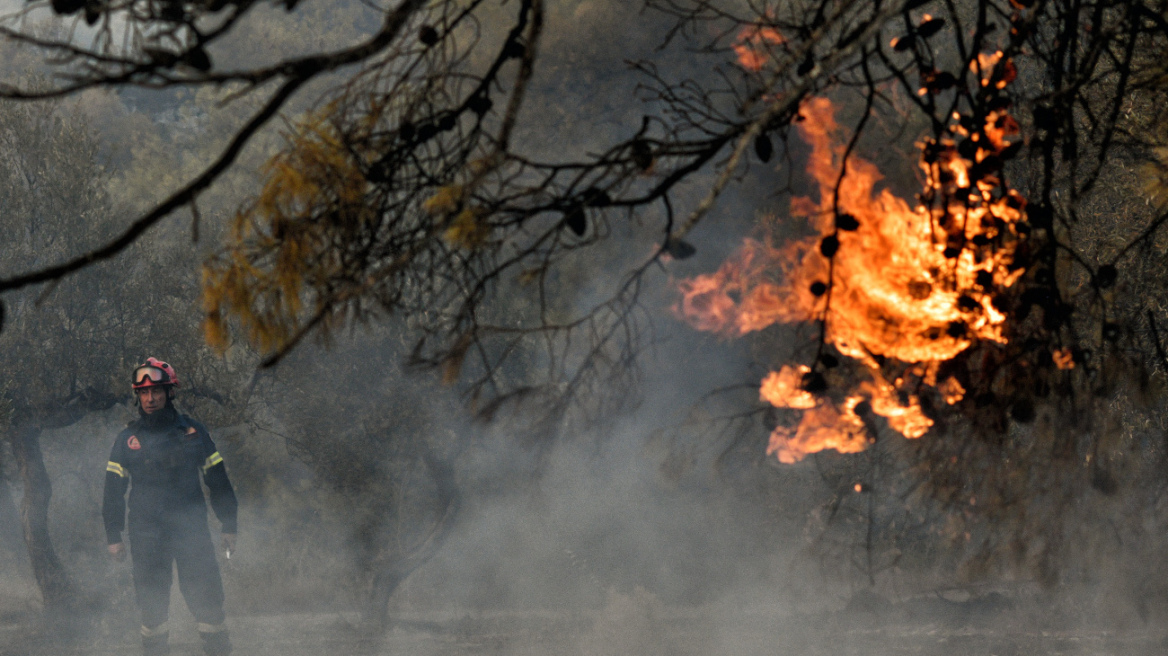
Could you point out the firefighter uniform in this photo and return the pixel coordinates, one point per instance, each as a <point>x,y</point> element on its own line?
<point>161,458</point>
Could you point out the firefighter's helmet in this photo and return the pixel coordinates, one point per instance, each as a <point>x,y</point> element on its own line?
<point>153,372</point>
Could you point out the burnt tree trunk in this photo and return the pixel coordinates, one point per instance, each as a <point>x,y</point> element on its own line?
<point>56,588</point>
<point>393,567</point>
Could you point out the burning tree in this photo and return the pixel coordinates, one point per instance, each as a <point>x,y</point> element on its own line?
<point>1002,295</point>
<point>907,288</point>
<point>983,311</point>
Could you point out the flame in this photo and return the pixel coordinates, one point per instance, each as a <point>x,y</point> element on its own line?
<point>822,427</point>
<point>912,284</point>
<point>783,388</point>
<point>951,390</point>
<point>752,46</point>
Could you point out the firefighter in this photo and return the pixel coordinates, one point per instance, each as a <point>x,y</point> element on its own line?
<point>161,456</point>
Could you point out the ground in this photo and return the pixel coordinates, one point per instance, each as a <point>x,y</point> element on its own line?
<point>630,625</point>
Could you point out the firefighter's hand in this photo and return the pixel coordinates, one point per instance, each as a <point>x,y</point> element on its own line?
<point>117,551</point>
<point>229,543</point>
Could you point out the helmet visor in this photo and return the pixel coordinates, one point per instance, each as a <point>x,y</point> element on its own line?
<point>148,375</point>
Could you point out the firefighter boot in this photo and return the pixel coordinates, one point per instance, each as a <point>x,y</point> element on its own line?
<point>155,642</point>
<point>216,643</point>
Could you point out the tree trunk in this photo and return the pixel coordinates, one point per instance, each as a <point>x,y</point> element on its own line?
<point>394,568</point>
<point>56,589</point>
<point>10,536</point>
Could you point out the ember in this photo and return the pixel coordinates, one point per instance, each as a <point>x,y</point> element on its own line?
<point>900,288</point>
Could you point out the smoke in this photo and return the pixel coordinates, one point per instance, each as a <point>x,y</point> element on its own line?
<point>590,547</point>
<point>613,537</point>
<point>596,523</point>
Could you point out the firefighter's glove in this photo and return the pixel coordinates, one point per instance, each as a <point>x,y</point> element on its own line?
<point>117,551</point>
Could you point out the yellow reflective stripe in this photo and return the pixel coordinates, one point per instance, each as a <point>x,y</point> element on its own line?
<point>115,468</point>
<point>212,460</point>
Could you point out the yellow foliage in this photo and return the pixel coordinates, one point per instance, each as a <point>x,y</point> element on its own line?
<point>215,332</point>
<point>1156,177</point>
<point>444,201</point>
<point>317,171</point>
<point>467,230</point>
<point>452,366</point>
<point>282,244</point>
<point>283,258</point>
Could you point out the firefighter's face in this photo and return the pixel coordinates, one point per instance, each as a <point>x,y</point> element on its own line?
<point>152,398</point>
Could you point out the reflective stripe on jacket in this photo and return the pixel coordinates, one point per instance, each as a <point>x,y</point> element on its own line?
<point>162,467</point>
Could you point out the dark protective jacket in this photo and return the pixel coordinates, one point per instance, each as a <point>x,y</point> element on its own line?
<point>164,457</point>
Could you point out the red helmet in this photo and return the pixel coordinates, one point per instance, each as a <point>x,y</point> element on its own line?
<point>153,372</point>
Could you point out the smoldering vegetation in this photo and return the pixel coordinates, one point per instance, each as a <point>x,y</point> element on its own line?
<point>380,513</point>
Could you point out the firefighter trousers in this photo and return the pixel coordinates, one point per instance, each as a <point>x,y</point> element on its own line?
<point>154,547</point>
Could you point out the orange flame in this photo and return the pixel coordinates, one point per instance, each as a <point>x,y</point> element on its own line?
<point>782,388</point>
<point>751,47</point>
<point>911,284</point>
